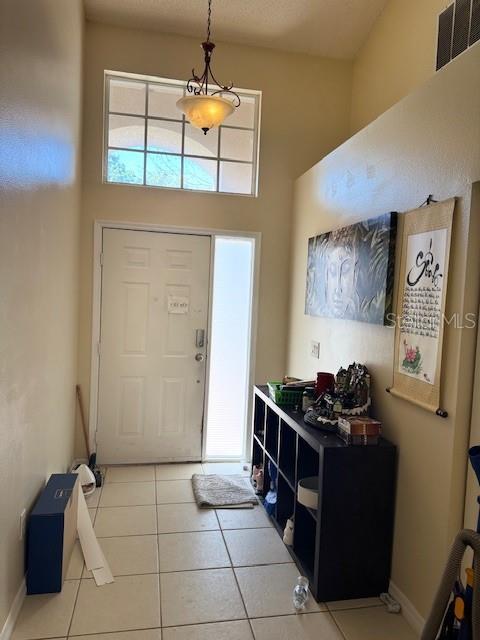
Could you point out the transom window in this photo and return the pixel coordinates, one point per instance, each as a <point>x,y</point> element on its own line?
<point>148,141</point>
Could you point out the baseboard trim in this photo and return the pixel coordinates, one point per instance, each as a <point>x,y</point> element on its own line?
<point>7,630</point>
<point>410,614</point>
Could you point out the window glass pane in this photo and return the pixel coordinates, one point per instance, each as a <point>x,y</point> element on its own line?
<point>199,144</point>
<point>236,144</point>
<point>125,166</point>
<point>229,347</point>
<point>126,132</point>
<point>235,177</point>
<point>162,101</point>
<point>163,170</point>
<point>164,136</point>
<point>244,115</point>
<point>200,174</point>
<point>127,96</point>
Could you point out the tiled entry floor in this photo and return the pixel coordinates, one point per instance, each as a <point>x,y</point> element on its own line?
<point>185,574</point>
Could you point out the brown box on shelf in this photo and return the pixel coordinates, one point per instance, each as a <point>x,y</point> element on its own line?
<point>360,426</point>
<point>363,440</point>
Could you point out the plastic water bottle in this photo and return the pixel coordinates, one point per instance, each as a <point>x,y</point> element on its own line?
<point>300,593</point>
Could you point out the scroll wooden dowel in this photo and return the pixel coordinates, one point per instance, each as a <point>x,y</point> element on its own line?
<point>441,413</point>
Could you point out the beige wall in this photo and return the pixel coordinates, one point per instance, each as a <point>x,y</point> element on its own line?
<point>398,56</point>
<point>428,143</point>
<point>471,504</point>
<point>40,79</point>
<point>300,123</point>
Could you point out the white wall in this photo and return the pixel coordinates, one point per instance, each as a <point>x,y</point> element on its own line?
<point>427,143</point>
<point>40,80</point>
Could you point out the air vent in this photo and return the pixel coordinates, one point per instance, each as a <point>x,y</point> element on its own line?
<point>445,31</point>
<point>461,26</point>
<point>458,29</point>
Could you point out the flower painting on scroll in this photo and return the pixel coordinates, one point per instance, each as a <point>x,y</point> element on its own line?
<point>412,361</point>
<point>350,271</point>
<point>421,314</point>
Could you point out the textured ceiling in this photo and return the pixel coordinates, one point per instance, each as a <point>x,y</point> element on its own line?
<point>333,28</point>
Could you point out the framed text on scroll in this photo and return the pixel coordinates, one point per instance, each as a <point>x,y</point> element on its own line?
<point>421,299</point>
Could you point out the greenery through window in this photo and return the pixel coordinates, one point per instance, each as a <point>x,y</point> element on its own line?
<point>149,142</point>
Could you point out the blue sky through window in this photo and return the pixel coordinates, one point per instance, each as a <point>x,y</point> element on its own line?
<point>162,170</point>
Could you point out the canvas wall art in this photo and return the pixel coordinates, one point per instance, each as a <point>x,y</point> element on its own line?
<point>350,271</point>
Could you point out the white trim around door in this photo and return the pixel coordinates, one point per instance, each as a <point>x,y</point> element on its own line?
<point>99,225</point>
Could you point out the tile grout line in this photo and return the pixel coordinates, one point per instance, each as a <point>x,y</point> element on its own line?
<point>357,608</point>
<point>195,624</point>
<point>158,554</point>
<point>176,533</point>
<point>235,576</point>
<point>242,566</point>
<point>83,566</point>
<point>247,619</point>
<point>336,624</point>
<point>74,607</point>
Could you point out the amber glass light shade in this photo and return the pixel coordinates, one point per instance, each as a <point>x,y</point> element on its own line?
<point>205,112</point>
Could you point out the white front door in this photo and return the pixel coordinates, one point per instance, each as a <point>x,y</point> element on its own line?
<point>154,313</point>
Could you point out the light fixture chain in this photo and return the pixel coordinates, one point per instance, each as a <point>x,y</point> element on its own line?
<point>216,108</point>
<point>209,18</point>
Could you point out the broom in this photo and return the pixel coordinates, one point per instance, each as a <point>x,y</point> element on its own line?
<point>92,457</point>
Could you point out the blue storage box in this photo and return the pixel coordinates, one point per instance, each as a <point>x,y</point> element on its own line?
<point>52,530</point>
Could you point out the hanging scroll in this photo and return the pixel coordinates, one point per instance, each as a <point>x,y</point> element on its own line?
<point>421,304</point>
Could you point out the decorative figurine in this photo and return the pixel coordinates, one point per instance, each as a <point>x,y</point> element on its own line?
<point>350,397</point>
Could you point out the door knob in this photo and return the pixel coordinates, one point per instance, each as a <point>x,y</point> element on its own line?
<point>199,357</point>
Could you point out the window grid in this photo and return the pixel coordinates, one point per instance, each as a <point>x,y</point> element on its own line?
<point>145,137</point>
<point>179,155</point>
<point>182,155</point>
<point>219,141</point>
<point>182,160</point>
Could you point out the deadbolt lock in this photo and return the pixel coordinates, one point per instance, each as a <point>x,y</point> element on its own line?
<point>200,338</point>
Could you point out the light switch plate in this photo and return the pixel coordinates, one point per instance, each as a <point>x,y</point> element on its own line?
<point>315,349</point>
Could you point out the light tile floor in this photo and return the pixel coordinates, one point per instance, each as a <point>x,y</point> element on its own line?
<point>182,573</point>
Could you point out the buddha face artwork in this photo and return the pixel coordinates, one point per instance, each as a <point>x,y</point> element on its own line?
<point>340,279</point>
<point>350,271</point>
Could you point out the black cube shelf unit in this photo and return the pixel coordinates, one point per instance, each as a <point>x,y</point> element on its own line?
<point>344,548</point>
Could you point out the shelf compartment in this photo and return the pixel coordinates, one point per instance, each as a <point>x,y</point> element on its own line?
<point>258,459</point>
<point>308,461</point>
<point>285,502</point>
<point>259,419</point>
<point>304,537</point>
<point>288,452</point>
<point>270,483</point>
<point>257,454</point>
<point>292,486</point>
<point>272,423</point>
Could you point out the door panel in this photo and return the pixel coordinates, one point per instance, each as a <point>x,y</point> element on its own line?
<point>151,389</point>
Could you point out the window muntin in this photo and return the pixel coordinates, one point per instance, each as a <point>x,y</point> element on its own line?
<point>148,141</point>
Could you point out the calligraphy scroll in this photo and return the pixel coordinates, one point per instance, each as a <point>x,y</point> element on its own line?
<point>421,304</point>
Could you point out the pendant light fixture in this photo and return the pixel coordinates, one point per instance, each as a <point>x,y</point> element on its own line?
<point>202,109</point>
